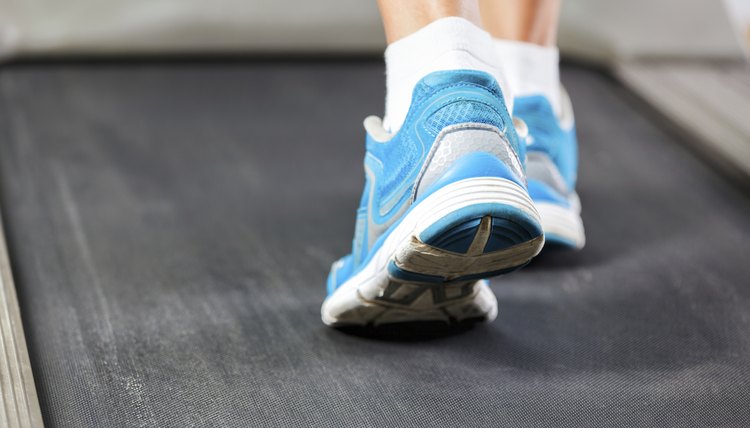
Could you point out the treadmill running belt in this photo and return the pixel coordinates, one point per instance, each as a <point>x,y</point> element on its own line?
<point>170,227</point>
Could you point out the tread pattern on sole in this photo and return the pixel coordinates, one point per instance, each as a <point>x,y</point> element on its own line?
<point>409,302</point>
<point>483,227</point>
<point>497,245</point>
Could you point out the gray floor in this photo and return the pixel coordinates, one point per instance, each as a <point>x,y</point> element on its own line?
<point>171,226</point>
<point>709,100</point>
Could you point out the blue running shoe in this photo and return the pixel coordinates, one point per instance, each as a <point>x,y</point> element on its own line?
<point>445,205</point>
<point>551,168</point>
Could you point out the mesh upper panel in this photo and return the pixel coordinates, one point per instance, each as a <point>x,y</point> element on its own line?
<point>461,112</point>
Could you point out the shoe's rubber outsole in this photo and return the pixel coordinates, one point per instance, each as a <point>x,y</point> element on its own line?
<point>430,266</point>
<point>562,226</point>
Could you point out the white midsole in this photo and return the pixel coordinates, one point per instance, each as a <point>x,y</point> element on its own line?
<point>453,197</point>
<point>563,222</point>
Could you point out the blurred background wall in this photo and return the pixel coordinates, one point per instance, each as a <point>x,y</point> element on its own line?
<point>599,30</point>
<point>150,26</point>
<point>617,30</point>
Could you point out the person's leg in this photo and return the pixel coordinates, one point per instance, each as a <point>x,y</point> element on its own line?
<point>445,202</point>
<point>525,36</point>
<point>402,18</point>
<point>533,21</point>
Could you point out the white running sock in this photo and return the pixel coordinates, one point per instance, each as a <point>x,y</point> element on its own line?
<point>446,44</point>
<point>531,69</point>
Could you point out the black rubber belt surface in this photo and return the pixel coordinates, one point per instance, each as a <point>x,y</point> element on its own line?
<point>171,227</point>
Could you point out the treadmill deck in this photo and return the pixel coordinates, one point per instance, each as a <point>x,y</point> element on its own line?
<point>170,227</point>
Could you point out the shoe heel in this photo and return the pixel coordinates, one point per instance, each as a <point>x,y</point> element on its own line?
<point>473,242</point>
